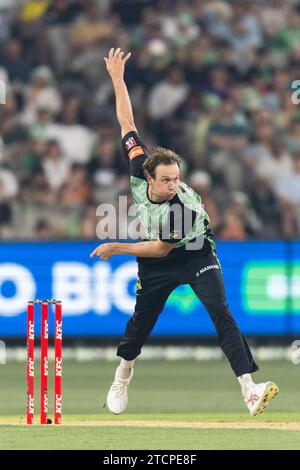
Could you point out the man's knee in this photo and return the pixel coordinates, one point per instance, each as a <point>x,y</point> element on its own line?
<point>218,310</point>
<point>216,304</point>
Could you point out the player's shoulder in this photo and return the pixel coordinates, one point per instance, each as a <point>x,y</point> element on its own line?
<point>139,188</point>
<point>184,188</point>
<point>187,195</point>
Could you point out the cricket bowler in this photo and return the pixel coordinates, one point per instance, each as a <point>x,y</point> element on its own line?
<point>179,249</point>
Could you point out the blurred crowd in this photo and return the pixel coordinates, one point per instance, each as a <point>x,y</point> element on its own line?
<point>212,80</point>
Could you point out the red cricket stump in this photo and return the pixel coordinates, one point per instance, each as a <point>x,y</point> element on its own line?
<point>44,363</point>
<point>58,364</point>
<point>30,363</point>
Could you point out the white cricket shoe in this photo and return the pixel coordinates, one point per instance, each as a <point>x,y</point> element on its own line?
<point>259,395</point>
<point>117,397</point>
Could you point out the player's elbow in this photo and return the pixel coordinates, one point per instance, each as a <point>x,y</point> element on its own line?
<point>127,125</point>
<point>164,249</point>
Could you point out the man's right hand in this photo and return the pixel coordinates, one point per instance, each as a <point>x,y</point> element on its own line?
<point>115,63</point>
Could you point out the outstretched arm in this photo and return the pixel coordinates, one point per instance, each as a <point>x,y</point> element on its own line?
<point>115,64</point>
<point>152,249</point>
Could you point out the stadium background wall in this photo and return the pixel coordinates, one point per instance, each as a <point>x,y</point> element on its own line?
<point>262,282</point>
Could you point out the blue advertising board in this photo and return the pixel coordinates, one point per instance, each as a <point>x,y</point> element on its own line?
<point>262,281</point>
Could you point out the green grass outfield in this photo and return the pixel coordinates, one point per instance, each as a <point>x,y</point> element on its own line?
<point>172,405</point>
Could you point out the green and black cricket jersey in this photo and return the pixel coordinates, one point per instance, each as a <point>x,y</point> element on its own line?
<point>181,220</point>
<point>158,277</point>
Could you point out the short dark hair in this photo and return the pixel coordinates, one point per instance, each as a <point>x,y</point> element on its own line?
<point>159,156</point>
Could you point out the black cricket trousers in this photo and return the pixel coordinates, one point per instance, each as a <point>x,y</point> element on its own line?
<point>204,275</point>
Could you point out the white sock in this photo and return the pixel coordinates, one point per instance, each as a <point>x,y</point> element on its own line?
<point>126,364</point>
<point>124,369</point>
<point>245,381</point>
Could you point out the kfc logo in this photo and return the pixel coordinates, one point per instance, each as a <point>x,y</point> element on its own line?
<point>58,403</point>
